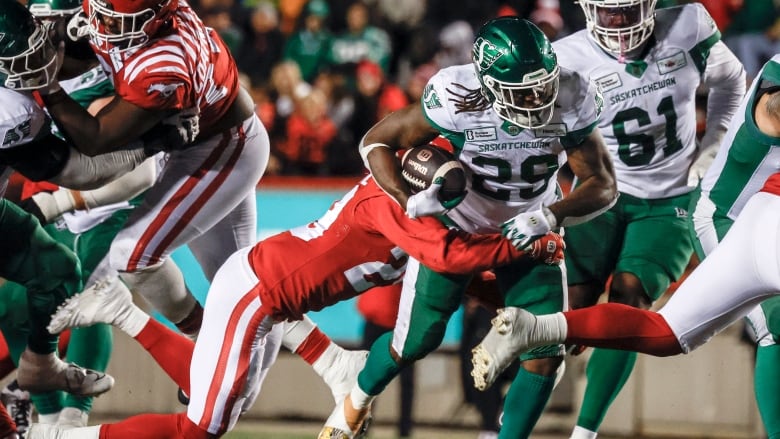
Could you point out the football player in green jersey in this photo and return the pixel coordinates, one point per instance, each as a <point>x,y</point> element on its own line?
<point>648,64</point>
<point>513,116</point>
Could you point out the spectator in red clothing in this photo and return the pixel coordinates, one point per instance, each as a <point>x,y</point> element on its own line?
<point>375,98</point>
<point>379,307</point>
<point>309,134</point>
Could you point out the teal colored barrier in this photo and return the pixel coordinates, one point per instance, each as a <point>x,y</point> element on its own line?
<point>280,210</point>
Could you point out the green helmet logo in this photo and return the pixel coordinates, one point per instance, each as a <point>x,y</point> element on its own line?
<point>27,55</point>
<point>518,71</point>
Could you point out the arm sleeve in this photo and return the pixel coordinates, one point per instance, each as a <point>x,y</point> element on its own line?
<point>441,249</point>
<point>724,76</point>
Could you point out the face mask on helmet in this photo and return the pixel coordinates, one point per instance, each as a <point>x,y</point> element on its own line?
<point>518,71</point>
<point>113,29</point>
<point>35,66</point>
<point>620,26</point>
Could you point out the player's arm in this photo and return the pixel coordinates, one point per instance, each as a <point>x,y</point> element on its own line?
<point>724,77</point>
<point>118,124</point>
<point>402,129</point>
<point>596,189</point>
<point>446,250</point>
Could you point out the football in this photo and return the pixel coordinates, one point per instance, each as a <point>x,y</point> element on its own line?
<point>421,165</point>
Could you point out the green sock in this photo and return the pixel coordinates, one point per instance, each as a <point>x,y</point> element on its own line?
<point>607,372</point>
<point>766,378</point>
<point>525,403</point>
<point>48,402</point>
<point>89,347</point>
<point>380,367</point>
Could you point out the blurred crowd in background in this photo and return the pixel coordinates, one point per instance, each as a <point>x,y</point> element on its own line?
<point>324,71</point>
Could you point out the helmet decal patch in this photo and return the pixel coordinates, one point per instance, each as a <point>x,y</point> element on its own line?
<point>485,53</point>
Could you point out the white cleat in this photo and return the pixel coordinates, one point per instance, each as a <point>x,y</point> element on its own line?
<point>512,333</point>
<point>19,405</point>
<point>46,372</point>
<point>341,375</point>
<point>103,302</point>
<point>337,427</point>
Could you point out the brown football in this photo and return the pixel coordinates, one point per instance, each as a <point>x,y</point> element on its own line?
<point>421,165</point>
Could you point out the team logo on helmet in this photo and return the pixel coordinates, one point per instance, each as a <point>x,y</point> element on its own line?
<point>485,53</point>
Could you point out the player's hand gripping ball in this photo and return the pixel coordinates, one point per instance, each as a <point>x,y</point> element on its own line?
<point>436,178</point>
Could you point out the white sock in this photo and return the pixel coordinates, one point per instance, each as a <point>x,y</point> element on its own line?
<point>582,433</point>
<point>323,364</point>
<point>50,418</point>
<point>553,327</point>
<point>132,319</point>
<point>359,398</point>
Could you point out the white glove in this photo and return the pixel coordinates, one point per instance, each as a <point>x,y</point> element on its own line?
<point>527,227</point>
<point>78,27</point>
<point>700,166</point>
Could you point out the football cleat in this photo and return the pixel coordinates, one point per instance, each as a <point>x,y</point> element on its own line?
<point>507,338</point>
<point>341,375</point>
<point>45,372</point>
<point>337,426</point>
<point>19,405</point>
<point>106,301</point>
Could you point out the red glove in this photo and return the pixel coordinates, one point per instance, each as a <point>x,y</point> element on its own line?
<point>548,249</point>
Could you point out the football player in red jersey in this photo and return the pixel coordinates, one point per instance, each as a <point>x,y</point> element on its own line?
<point>167,66</point>
<point>363,241</point>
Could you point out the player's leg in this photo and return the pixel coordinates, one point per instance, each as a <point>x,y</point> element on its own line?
<point>539,289</point>
<point>50,273</point>
<point>337,366</point>
<point>197,189</point>
<point>90,346</point>
<point>655,251</point>
<point>428,300</point>
<point>764,323</point>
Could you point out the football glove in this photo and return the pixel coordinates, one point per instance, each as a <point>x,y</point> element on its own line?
<point>548,249</point>
<point>700,166</point>
<point>427,203</point>
<point>527,227</point>
<point>173,133</point>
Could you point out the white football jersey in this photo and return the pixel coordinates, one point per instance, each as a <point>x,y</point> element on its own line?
<point>649,118</point>
<point>746,158</point>
<point>22,120</point>
<point>508,169</point>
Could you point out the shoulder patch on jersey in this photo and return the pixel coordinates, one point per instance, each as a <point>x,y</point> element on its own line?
<point>430,98</point>
<point>671,63</point>
<point>165,90</point>
<point>608,82</point>
<point>17,133</point>
<point>479,134</point>
<point>551,130</point>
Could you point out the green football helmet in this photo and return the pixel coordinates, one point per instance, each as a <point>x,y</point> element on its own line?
<point>619,26</point>
<point>54,8</point>
<point>28,58</point>
<point>518,70</point>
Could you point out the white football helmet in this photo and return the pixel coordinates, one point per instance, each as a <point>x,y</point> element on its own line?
<point>619,26</point>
